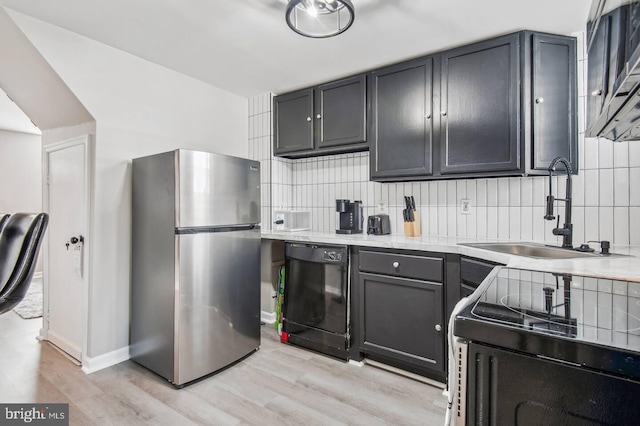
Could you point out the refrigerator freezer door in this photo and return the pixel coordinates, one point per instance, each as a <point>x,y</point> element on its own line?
<point>218,305</point>
<point>216,190</point>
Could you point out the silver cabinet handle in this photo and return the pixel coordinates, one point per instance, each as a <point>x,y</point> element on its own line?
<point>396,264</point>
<point>539,100</point>
<point>596,92</point>
<point>428,115</point>
<point>438,327</point>
<point>444,113</point>
<point>318,116</point>
<point>308,118</point>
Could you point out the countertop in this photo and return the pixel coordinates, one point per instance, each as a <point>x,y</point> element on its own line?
<point>623,265</point>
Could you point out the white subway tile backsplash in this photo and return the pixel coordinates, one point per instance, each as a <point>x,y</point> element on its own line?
<point>634,154</point>
<point>526,223</point>
<point>590,154</point>
<point>503,222</point>
<point>621,225</point>
<point>442,193</point>
<point>481,222</point>
<point>515,226</point>
<point>492,192</point>
<point>621,154</point>
<point>634,225</point>
<point>481,193</point>
<point>503,192</point>
<point>591,219</point>
<point>634,188</point>
<point>540,190</point>
<point>621,187</point>
<point>492,222</point>
<point>606,187</point>
<point>605,219</point>
<point>605,154</point>
<point>591,186</point>
<point>514,192</point>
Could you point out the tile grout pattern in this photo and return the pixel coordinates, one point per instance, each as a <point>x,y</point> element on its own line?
<point>605,201</point>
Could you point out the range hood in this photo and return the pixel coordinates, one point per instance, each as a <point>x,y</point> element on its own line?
<point>613,84</point>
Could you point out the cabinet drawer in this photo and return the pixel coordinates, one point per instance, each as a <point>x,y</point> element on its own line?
<point>402,265</point>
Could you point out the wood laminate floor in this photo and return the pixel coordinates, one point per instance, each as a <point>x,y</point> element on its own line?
<point>278,385</point>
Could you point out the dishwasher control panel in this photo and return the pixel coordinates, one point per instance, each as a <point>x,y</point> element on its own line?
<point>332,256</point>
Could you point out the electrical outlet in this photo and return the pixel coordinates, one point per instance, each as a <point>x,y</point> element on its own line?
<point>465,206</point>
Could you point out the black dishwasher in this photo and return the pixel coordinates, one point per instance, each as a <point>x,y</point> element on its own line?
<point>315,308</point>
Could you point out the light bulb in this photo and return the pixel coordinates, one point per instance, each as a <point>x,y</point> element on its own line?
<point>312,11</point>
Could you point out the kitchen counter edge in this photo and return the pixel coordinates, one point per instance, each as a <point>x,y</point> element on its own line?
<point>626,268</point>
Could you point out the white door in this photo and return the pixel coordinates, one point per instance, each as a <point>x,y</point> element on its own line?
<point>67,198</point>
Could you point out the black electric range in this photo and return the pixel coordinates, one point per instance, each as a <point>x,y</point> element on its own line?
<point>583,321</point>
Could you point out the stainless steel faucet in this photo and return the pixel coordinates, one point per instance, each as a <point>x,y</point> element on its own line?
<point>567,229</point>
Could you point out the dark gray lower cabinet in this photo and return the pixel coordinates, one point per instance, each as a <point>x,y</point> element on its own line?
<point>508,388</point>
<point>400,319</point>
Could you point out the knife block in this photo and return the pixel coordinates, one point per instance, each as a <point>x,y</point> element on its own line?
<point>412,229</point>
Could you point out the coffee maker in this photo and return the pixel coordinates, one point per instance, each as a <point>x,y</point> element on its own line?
<point>350,219</point>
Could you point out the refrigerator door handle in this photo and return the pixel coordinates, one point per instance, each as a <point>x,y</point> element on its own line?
<point>210,229</point>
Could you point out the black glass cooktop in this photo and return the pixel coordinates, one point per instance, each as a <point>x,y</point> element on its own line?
<point>561,316</point>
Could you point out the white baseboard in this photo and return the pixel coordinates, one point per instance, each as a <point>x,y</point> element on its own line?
<point>268,317</point>
<point>93,364</point>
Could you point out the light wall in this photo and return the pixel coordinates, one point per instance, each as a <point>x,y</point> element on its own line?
<point>21,175</point>
<point>606,190</point>
<point>140,109</point>
<point>20,172</point>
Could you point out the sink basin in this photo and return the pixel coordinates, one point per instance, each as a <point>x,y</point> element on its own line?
<point>531,250</point>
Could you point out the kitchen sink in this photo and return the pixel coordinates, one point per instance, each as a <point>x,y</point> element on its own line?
<point>532,250</point>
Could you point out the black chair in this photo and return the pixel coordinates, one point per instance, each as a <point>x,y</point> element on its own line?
<point>20,242</point>
<point>3,219</point>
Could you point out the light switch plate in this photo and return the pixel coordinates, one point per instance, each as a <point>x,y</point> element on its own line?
<point>465,206</point>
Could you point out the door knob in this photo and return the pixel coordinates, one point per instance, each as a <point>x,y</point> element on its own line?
<point>76,240</point>
<point>438,327</point>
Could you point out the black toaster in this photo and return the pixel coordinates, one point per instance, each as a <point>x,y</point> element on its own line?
<point>378,224</point>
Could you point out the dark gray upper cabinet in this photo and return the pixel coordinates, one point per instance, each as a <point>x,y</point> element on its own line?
<point>341,113</point>
<point>293,125</point>
<point>501,107</point>
<point>326,119</point>
<point>401,125</point>
<point>480,99</point>
<point>550,100</point>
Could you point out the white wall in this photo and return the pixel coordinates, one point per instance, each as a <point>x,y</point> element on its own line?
<point>20,172</point>
<point>606,191</point>
<point>140,108</point>
<point>21,175</point>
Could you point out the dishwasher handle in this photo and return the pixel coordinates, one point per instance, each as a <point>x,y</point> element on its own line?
<point>317,253</point>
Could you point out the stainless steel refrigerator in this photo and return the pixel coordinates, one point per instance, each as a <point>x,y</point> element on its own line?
<point>195,291</point>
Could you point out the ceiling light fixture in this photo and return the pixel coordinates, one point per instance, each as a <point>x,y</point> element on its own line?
<point>319,18</point>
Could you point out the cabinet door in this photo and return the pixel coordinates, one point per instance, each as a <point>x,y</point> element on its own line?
<point>341,113</point>
<point>480,117</point>
<point>293,125</point>
<point>597,76</point>
<point>399,320</point>
<point>401,122</point>
<point>553,100</point>
<point>506,388</point>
